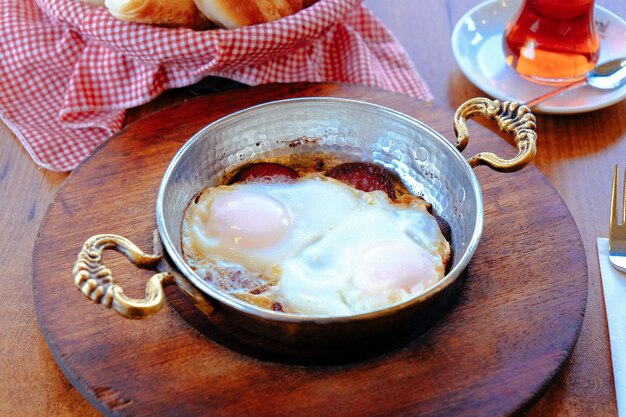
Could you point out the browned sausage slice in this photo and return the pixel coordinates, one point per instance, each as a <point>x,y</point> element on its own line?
<point>364,176</point>
<point>265,171</point>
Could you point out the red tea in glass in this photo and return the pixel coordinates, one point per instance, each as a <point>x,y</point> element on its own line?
<point>552,41</point>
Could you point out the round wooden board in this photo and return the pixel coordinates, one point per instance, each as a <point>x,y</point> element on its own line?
<point>514,325</point>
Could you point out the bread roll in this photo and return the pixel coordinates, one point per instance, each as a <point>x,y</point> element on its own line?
<point>235,13</point>
<point>173,13</point>
<point>97,3</point>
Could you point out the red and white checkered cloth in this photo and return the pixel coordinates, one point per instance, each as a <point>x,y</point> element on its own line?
<point>69,71</point>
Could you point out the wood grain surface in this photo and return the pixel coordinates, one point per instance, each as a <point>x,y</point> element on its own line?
<point>515,323</point>
<point>576,154</point>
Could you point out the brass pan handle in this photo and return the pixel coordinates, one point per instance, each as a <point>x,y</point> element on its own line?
<point>512,117</point>
<point>96,280</point>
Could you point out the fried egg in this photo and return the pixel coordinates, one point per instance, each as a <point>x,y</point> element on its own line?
<point>313,246</point>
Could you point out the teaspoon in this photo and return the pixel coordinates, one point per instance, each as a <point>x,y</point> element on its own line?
<point>609,75</point>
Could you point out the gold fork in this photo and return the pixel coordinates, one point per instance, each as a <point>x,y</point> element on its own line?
<point>617,231</point>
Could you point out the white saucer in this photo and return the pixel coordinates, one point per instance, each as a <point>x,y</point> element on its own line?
<point>477,47</point>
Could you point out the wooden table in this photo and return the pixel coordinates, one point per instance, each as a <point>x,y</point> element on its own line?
<point>576,153</point>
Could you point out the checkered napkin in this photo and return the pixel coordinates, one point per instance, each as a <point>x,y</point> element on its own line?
<point>69,71</point>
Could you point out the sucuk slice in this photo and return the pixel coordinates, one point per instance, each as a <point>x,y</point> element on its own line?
<point>264,171</point>
<point>364,176</point>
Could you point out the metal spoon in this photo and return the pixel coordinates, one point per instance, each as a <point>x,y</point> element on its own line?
<point>611,74</point>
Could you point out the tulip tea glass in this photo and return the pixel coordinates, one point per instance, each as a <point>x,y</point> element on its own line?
<point>552,41</point>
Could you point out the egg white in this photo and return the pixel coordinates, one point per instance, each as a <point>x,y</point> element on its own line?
<point>314,264</point>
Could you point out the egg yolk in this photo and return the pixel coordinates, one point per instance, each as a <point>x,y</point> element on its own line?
<point>249,220</point>
<point>394,265</point>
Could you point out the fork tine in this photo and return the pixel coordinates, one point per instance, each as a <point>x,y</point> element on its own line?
<point>613,218</point>
<point>624,199</point>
